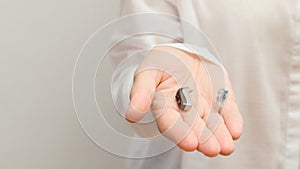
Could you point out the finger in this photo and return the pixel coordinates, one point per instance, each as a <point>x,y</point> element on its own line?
<point>216,124</point>
<point>172,126</point>
<point>233,119</point>
<point>144,85</point>
<point>231,114</point>
<point>207,142</point>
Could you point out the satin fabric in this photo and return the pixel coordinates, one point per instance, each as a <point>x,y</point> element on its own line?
<point>259,45</point>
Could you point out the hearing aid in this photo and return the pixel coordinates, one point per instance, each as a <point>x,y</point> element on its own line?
<point>183,98</point>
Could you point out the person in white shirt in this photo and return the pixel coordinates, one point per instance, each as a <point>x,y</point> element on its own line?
<point>259,45</point>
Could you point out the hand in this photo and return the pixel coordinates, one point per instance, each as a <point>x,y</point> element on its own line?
<point>170,120</point>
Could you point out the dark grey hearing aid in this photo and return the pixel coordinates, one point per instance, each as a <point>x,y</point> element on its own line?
<point>183,98</point>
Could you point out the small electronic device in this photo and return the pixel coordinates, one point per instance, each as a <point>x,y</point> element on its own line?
<point>183,98</point>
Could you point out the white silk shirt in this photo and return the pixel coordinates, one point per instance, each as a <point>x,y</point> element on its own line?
<point>258,42</point>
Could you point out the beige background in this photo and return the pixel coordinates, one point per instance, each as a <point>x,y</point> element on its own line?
<point>39,44</point>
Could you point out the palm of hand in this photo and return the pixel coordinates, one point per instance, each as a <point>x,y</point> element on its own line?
<point>191,130</point>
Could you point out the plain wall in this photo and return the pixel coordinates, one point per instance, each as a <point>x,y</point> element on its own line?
<point>39,43</point>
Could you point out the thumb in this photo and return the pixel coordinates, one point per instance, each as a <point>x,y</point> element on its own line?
<point>144,85</point>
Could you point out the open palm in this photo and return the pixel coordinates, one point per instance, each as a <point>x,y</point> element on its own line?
<point>156,89</point>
